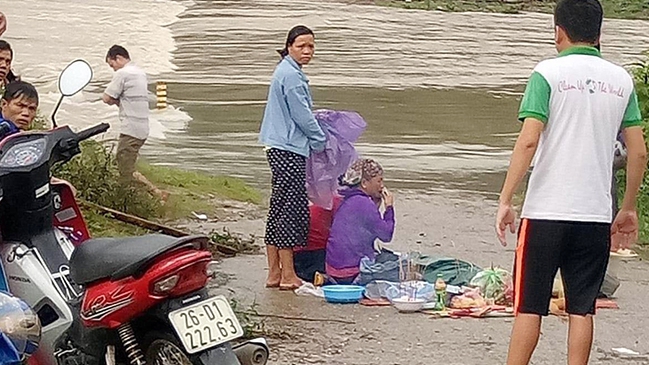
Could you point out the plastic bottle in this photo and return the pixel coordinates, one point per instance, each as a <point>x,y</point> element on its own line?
<point>440,293</point>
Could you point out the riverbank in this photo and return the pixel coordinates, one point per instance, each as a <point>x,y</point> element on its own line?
<point>212,199</point>
<point>192,195</point>
<point>615,9</point>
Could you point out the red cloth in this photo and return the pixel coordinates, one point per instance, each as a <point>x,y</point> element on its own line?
<point>319,226</point>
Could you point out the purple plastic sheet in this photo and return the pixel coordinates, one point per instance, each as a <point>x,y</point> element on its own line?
<point>342,129</point>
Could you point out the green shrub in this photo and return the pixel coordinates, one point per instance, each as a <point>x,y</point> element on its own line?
<point>94,174</point>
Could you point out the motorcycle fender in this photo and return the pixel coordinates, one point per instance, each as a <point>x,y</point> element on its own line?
<point>222,355</point>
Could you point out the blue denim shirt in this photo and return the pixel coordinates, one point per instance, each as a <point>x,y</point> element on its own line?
<point>288,122</point>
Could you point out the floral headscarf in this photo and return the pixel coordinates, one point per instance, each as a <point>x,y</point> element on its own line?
<point>363,169</point>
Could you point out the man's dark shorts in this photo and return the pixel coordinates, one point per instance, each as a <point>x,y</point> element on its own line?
<point>579,249</point>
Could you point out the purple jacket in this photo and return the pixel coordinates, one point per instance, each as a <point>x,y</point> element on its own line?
<point>356,225</point>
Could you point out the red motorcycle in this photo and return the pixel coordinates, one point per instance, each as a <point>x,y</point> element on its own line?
<point>131,300</point>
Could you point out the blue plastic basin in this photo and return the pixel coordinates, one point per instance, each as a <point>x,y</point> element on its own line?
<point>343,293</point>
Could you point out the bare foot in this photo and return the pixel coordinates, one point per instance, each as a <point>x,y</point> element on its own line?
<point>163,194</point>
<point>290,284</point>
<point>272,284</point>
<point>273,280</point>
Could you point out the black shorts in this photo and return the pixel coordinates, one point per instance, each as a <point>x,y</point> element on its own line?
<point>579,249</point>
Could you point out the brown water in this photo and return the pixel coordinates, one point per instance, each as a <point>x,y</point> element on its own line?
<point>438,90</point>
<point>426,139</point>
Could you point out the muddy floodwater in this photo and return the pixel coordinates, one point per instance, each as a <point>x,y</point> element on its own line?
<point>438,90</point>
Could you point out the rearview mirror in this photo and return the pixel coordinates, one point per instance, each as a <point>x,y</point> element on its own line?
<point>75,77</point>
<point>72,80</point>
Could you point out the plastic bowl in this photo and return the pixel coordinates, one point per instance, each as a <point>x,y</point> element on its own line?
<point>343,293</point>
<point>408,305</point>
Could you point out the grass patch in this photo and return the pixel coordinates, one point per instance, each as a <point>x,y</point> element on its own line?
<point>195,191</point>
<point>101,225</point>
<point>95,175</point>
<point>459,6</point>
<point>621,9</point>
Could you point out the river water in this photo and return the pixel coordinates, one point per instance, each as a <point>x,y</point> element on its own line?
<point>439,90</point>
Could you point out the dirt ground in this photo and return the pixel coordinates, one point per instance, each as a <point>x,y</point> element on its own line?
<point>437,225</point>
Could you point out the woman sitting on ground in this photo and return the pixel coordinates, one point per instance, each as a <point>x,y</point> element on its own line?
<point>358,221</point>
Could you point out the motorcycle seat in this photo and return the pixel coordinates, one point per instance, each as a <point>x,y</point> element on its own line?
<point>118,258</point>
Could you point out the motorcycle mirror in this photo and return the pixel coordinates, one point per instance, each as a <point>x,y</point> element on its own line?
<point>75,77</point>
<point>72,80</point>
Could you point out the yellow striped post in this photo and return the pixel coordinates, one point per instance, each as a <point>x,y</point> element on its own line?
<point>161,95</point>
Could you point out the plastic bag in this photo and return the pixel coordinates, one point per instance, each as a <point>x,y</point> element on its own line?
<point>308,289</point>
<point>342,129</point>
<point>389,290</point>
<point>384,267</point>
<point>494,283</point>
<point>454,272</point>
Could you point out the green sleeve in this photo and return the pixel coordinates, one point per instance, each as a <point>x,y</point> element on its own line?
<point>536,101</point>
<point>632,116</point>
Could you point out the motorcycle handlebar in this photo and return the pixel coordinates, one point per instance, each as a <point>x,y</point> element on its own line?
<point>93,131</point>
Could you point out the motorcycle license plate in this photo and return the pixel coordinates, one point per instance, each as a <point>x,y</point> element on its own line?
<point>206,324</point>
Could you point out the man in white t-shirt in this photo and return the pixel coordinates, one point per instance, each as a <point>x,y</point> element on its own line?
<point>128,90</point>
<point>573,107</point>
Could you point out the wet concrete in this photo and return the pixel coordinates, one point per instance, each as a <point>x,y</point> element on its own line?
<point>454,227</point>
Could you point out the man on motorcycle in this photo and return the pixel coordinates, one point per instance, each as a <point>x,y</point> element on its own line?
<point>18,108</point>
<point>18,105</point>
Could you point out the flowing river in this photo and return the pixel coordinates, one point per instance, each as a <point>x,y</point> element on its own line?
<point>439,90</point>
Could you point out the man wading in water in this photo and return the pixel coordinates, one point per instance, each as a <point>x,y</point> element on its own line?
<point>128,90</point>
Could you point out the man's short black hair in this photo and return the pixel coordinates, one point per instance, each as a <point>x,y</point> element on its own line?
<point>115,51</point>
<point>5,46</point>
<point>18,89</point>
<point>580,19</point>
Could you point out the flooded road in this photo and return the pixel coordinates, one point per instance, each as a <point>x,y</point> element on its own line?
<point>438,90</point>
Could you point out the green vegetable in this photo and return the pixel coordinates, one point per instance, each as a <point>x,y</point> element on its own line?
<point>493,283</point>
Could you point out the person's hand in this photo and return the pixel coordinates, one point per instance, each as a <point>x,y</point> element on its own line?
<point>3,23</point>
<point>624,230</point>
<point>506,216</point>
<point>388,198</point>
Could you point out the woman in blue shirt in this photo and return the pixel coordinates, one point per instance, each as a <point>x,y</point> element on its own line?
<point>290,133</point>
